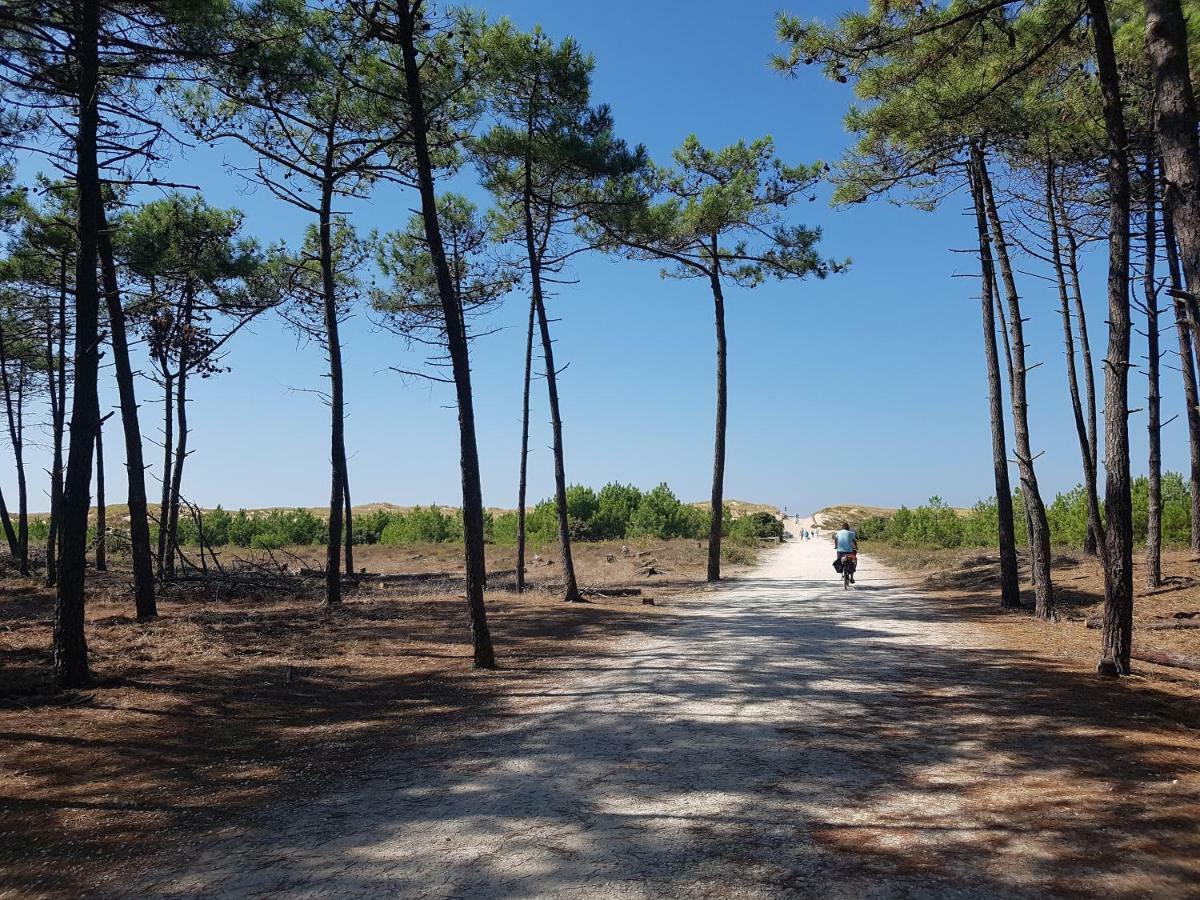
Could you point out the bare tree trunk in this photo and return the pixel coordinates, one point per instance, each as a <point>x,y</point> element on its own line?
<point>1095,527</point>
<point>1187,370</point>
<point>56,379</point>
<point>1153,398</point>
<point>522,481</point>
<point>1010,588</point>
<point>1117,636</point>
<point>13,413</point>
<point>456,341</point>
<point>570,586</point>
<point>1081,429</point>
<point>716,518</point>
<point>170,515</point>
<point>1175,125</point>
<point>348,527</point>
<point>70,657</point>
<point>101,511</point>
<point>139,521</point>
<point>337,452</point>
<point>1039,529</point>
<point>167,468</point>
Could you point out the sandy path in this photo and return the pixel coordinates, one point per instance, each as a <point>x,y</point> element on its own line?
<point>780,737</point>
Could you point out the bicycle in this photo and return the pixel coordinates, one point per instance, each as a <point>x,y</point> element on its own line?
<point>849,567</point>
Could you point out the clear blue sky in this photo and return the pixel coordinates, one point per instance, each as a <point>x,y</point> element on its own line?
<point>866,387</point>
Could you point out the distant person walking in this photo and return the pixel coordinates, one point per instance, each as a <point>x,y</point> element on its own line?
<point>846,542</point>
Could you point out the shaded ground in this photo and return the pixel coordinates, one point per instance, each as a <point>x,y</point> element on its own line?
<point>1166,619</point>
<point>780,737</point>
<point>223,706</point>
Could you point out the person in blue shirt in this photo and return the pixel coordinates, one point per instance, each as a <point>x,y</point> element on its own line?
<point>846,541</point>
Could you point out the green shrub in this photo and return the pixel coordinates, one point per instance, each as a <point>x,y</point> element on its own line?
<point>423,525</point>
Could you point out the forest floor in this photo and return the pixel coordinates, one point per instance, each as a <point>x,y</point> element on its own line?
<point>1166,618</point>
<point>240,696</point>
<point>778,736</point>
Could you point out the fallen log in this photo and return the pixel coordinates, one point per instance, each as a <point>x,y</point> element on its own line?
<point>1172,660</point>
<point>614,592</point>
<point>1152,625</point>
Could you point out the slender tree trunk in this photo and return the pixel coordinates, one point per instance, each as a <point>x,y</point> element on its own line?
<point>570,586</point>
<point>1095,528</point>
<point>1175,125</point>
<point>167,467</point>
<point>59,417</point>
<point>13,414</point>
<point>1187,370</point>
<point>348,527</point>
<point>1087,455</point>
<point>1153,398</point>
<point>522,480</point>
<point>1039,533</point>
<point>70,658</point>
<point>139,521</point>
<point>171,513</point>
<point>10,533</point>
<point>1010,588</point>
<point>101,511</point>
<point>337,450</point>
<point>456,341</point>
<point>1117,636</point>
<point>717,509</point>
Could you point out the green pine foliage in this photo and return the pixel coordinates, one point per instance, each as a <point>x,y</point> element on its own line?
<point>936,525</point>
<point>615,512</point>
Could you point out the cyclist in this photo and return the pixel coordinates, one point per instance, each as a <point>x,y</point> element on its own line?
<point>845,541</point>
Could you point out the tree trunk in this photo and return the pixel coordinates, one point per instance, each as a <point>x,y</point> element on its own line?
<point>167,468</point>
<point>12,407</point>
<point>1039,529</point>
<point>716,517</point>
<point>1117,636</point>
<point>522,481</point>
<point>1187,370</point>
<point>1175,124</point>
<point>171,513</point>
<point>337,450</point>
<point>570,586</point>
<point>1010,588</point>
<point>69,643</point>
<point>1094,539</point>
<point>57,389</point>
<point>1153,399</point>
<point>101,512</point>
<point>456,342</point>
<point>1087,455</point>
<point>348,525</point>
<point>139,522</point>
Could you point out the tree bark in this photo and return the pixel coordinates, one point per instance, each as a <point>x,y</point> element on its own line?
<point>1153,398</point>
<point>456,342</point>
<point>171,513</point>
<point>1086,450</point>
<point>167,467</point>
<point>13,412</point>
<point>522,481</point>
<point>1117,636</point>
<point>1039,529</point>
<point>101,511</point>
<point>1095,528</point>
<point>70,658</point>
<point>56,373</point>
<point>348,526</point>
<point>337,451</point>
<point>139,521</point>
<point>717,509</point>
<point>1175,123</point>
<point>1010,588</point>
<point>1187,370</point>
